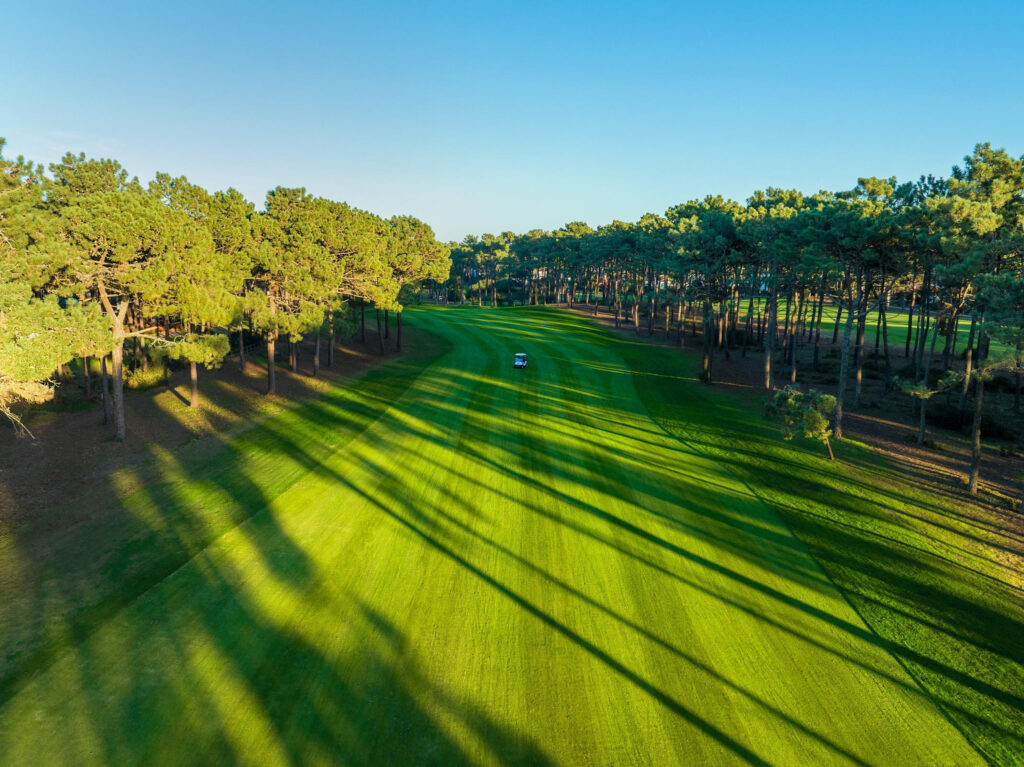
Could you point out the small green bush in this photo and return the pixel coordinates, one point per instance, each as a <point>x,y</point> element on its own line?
<point>157,374</point>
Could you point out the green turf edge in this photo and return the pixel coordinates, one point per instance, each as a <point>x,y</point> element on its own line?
<point>642,357</point>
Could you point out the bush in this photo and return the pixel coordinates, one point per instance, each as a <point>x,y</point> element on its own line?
<point>157,374</point>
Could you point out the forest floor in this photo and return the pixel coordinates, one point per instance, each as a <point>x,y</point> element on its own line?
<point>446,561</point>
<point>71,447</point>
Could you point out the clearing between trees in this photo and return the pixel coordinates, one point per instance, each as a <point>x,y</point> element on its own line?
<point>593,560</point>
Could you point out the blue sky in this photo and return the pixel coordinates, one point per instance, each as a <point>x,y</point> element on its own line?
<point>481,116</point>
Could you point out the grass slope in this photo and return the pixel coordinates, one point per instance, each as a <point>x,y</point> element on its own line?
<point>452,562</point>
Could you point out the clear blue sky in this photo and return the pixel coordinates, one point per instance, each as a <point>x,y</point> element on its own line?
<point>480,116</point>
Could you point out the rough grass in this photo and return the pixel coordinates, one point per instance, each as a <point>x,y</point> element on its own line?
<point>451,562</point>
<point>938,579</point>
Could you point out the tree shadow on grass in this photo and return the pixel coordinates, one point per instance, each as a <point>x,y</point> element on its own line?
<point>170,589</point>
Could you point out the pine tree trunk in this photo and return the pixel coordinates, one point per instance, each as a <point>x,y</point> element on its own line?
<point>362,320</point>
<point>271,367</point>
<point>706,354</point>
<point>770,330</point>
<point>241,349</point>
<point>976,433</point>
<point>910,316</point>
<point>859,355</point>
<point>193,376</point>
<point>844,363</point>
<point>785,327</point>
<point>817,326</point>
<point>316,354</point>
<point>387,324</point>
<point>794,339</point>
<point>398,336</point>
<point>293,357</point>
<point>651,309</point>
<point>380,333</point>
<point>924,325</point>
<point>87,373</point>
<point>970,359</point>
<point>618,303</point>
<point>330,335</point>
<point>117,374</point>
<point>884,322</point>
<point>108,414</point>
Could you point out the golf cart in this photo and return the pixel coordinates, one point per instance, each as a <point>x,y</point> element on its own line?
<point>520,361</point>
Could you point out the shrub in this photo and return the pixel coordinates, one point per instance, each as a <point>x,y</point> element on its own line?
<point>805,415</point>
<point>157,374</point>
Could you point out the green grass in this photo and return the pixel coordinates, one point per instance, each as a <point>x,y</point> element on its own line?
<point>451,562</point>
<point>896,328</point>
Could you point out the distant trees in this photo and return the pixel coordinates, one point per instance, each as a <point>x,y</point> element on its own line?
<point>94,261</point>
<point>763,275</point>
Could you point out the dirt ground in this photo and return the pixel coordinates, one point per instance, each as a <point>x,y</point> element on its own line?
<point>883,422</point>
<point>72,447</point>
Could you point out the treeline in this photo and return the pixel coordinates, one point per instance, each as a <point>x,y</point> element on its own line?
<point>939,254</point>
<point>93,260</point>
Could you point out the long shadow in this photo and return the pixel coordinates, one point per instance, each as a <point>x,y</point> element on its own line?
<point>279,665</point>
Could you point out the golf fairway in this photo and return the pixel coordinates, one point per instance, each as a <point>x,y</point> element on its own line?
<point>455,562</point>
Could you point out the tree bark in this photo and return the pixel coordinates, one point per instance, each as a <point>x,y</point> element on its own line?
<point>193,377</point>
<point>117,373</point>
<point>859,352</point>
<point>108,414</point>
<point>884,321</point>
<point>316,353</point>
<point>910,315</point>
<point>380,334</point>
<point>87,374</point>
<point>794,339</point>
<point>706,354</point>
<point>271,367</point>
<point>241,349</point>
<point>844,365</point>
<point>771,328</point>
<point>398,334</point>
<point>330,335</point>
<point>969,359</point>
<point>976,433</point>
<point>817,325</point>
